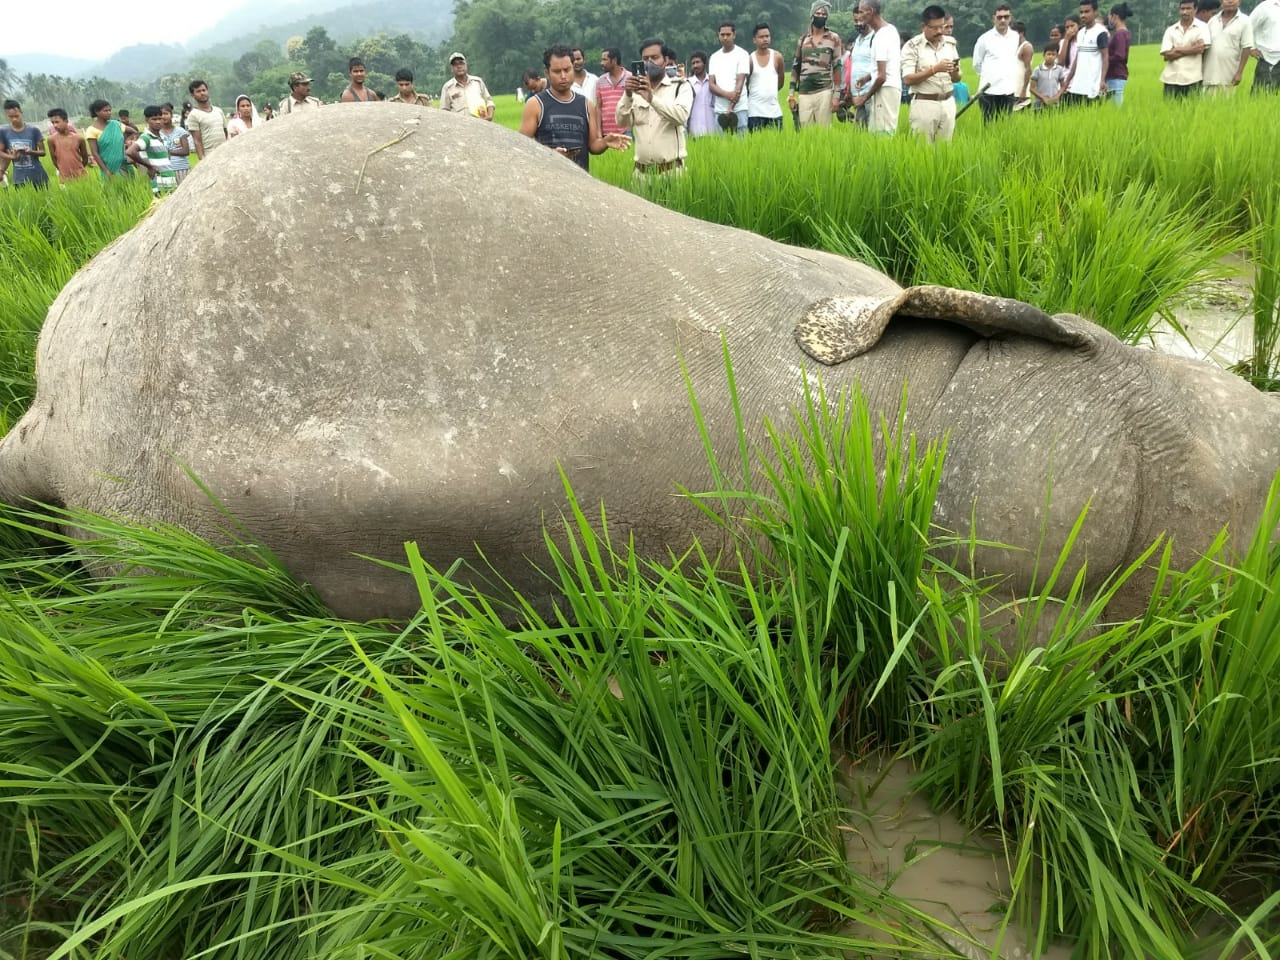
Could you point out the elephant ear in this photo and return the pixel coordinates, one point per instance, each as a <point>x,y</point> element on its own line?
<point>837,329</point>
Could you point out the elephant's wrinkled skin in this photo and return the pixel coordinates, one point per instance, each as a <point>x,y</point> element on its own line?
<point>353,347</point>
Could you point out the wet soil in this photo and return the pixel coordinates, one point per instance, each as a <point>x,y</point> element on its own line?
<point>1216,318</point>
<point>957,876</point>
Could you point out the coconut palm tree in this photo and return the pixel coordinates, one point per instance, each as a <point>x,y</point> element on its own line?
<point>8,79</point>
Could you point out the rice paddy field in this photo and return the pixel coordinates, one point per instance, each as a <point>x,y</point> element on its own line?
<point>199,760</point>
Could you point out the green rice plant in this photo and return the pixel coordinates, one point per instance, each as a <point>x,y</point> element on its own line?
<point>1120,262</point>
<point>1123,262</point>
<point>853,538</point>
<point>143,745</point>
<point>1263,368</point>
<point>656,781</point>
<point>45,237</point>
<point>1130,765</point>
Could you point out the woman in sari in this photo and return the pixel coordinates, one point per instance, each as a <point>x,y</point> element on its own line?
<point>245,119</point>
<point>105,140</point>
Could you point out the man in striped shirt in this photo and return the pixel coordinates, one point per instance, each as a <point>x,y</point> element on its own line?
<point>610,87</point>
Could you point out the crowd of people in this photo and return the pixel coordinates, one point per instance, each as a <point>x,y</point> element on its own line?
<point>658,102</point>
<point>865,77</point>
<point>161,150</point>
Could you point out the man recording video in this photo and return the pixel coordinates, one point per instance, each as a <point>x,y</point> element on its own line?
<point>656,106</point>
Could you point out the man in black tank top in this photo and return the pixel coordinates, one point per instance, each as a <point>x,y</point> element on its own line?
<point>356,91</point>
<point>563,119</point>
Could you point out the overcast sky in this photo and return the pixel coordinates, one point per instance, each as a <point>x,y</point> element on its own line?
<point>93,31</point>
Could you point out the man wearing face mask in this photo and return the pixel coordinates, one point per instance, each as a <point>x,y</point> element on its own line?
<point>815,74</point>
<point>656,107</point>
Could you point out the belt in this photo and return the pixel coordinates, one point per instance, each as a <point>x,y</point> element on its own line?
<point>572,154</point>
<point>933,96</point>
<point>663,167</point>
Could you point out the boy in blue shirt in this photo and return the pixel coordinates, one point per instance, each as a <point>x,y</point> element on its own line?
<point>22,146</point>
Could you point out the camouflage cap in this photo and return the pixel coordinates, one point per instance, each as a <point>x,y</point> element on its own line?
<point>297,78</point>
<point>819,5</point>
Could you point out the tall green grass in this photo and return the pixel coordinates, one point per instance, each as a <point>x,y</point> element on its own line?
<point>45,237</point>
<point>1263,368</point>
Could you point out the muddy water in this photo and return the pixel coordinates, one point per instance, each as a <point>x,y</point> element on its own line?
<point>1217,320</point>
<point>932,860</point>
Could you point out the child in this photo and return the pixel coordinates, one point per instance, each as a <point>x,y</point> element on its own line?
<point>129,128</point>
<point>67,148</point>
<point>1048,79</point>
<point>178,140</point>
<point>22,145</point>
<point>150,153</point>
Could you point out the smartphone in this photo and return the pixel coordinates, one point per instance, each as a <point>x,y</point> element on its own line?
<point>637,68</point>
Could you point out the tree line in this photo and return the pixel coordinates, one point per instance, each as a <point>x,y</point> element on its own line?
<point>261,72</point>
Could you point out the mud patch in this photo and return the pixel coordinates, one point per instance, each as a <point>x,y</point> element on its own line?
<point>1217,317</point>
<point>931,859</point>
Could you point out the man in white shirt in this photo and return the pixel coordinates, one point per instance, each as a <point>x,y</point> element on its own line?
<point>1087,78</point>
<point>1265,21</point>
<point>207,123</point>
<point>1230,44</point>
<point>1182,48</point>
<point>728,69</point>
<point>995,60</point>
<point>583,82</point>
<point>883,96</point>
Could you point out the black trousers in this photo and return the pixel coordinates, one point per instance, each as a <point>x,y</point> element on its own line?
<point>994,105</point>
<point>1177,91</point>
<point>1266,76</point>
<point>1078,99</point>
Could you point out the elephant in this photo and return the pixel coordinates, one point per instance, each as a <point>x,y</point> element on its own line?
<point>356,328</point>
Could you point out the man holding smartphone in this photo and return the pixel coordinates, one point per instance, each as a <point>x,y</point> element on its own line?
<point>656,107</point>
<point>930,66</point>
<point>22,145</point>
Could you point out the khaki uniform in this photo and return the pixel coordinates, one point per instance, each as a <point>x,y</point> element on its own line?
<point>464,98</point>
<point>419,100</point>
<point>291,105</point>
<point>658,127</point>
<point>932,114</point>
